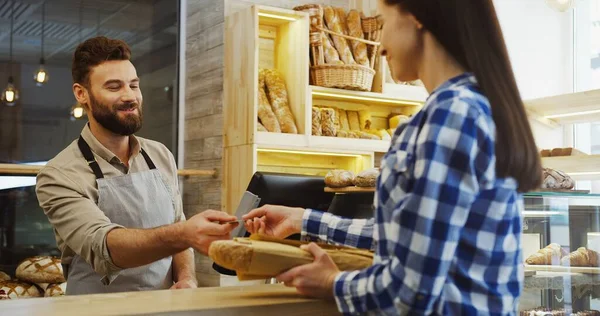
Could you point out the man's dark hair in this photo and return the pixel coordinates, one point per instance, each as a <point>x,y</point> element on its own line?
<point>95,51</point>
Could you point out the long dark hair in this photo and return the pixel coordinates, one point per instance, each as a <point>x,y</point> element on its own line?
<point>469,30</point>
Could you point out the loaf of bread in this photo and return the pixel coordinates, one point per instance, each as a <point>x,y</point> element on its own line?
<point>316,121</point>
<point>328,122</point>
<point>4,276</point>
<point>344,123</point>
<point>353,120</point>
<point>41,269</point>
<point>367,178</point>
<point>260,257</point>
<point>550,255</point>
<point>260,127</point>
<point>397,120</point>
<point>331,54</point>
<point>368,134</point>
<point>266,114</point>
<point>17,289</point>
<point>55,290</point>
<point>278,96</point>
<point>546,153</point>
<point>334,24</point>
<point>582,257</point>
<point>556,152</point>
<point>359,49</point>
<point>555,179</point>
<point>339,178</point>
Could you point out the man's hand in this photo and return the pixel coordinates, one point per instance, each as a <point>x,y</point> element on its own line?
<point>314,279</point>
<point>204,228</point>
<point>189,283</point>
<point>274,220</point>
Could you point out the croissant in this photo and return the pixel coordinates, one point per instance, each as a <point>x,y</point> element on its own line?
<point>582,257</point>
<point>552,255</point>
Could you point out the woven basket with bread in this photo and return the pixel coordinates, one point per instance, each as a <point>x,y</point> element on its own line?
<point>261,257</point>
<point>344,47</point>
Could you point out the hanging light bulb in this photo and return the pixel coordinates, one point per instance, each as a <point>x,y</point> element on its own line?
<point>41,76</point>
<point>10,95</point>
<point>77,111</point>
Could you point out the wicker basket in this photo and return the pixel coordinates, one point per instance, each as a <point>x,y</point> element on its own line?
<point>347,76</point>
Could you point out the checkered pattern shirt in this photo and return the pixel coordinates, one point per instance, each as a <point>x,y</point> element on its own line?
<point>446,231</point>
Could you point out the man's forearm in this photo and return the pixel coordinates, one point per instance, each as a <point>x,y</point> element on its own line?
<point>130,248</point>
<point>183,266</point>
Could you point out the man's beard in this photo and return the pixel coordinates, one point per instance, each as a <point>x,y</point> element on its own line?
<point>108,117</point>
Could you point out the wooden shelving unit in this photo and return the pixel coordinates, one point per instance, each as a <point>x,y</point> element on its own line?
<point>567,108</point>
<point>581,167</point>
<point>267,37</point>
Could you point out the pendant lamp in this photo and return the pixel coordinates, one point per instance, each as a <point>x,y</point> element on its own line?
<point>41,76</point>
<point>10,94</point>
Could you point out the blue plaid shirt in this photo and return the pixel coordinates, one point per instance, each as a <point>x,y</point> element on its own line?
<point>446,231</point>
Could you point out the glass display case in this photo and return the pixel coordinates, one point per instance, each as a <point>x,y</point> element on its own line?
<point>564,278</point>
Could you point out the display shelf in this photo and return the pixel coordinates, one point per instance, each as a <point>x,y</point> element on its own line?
<point>320,143</point>
<point>580,167</point>
<point>402,96</point>
<point>561,269</point>
<point>566,108</point>
<point>556,280</point>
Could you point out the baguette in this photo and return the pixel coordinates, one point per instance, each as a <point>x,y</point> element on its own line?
<point>260,259</point>
<point>359,49</point>
<point>340,43</point>
<point>261,128</point>
<point>550,255</point>
<point>316,121</point>
<point>279,101</point>
<point>331,54</point>
<point>265,112</point>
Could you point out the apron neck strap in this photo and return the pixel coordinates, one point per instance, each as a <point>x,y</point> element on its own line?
<point>89,157</point>
<point>91,160</point>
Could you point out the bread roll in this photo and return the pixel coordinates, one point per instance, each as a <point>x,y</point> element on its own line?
<point>353,120</point>
<point>260,259</point>
<point>344,123</point>
<point>550,255</point>
<point>359,49</point>
<point>556,152</point>
<point>546,153</point>
<point>55,290</point>
<point>365,120</point>
<point>4,276</point>
<point>278,96</point>
<point>328,122</point>
<point>41,269</point>
<point>17,289</point>
<point>554,179</point>
<point>316,121</point>
<point>340,43</point>
<point>367,178</point>
<point>339,178</point>
<point>396,120</point>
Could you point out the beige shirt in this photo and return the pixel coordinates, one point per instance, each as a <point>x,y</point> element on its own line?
<point>67,191</point>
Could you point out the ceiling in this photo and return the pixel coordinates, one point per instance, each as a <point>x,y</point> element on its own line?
<point>146,25</point>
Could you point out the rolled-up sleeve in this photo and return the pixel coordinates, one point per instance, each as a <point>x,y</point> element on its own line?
<point>77,220</point>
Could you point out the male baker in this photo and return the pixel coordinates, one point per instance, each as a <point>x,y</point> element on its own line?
<point>113,198</point>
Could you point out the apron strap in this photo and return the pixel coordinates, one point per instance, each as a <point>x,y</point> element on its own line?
<point>148,160</point>
<point>89,157</point>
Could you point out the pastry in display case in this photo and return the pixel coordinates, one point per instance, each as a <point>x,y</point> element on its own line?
<point>561,245</point>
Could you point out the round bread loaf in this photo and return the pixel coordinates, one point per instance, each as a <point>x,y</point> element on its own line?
<point>55,290</point>
<point>4,276</point>
<point>367,178</point>
<point>41,269</point>
<point>17,289</point>
<point>339,178</point>
<point>555,179</point>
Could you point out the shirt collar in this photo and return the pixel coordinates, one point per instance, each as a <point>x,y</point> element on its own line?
<point>467,78</point>
<point>104,152</point>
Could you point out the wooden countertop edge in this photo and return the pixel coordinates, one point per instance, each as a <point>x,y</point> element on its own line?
<point>174,301</point>
<point>32,170</point>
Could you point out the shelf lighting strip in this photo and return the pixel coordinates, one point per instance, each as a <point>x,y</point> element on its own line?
<point>571,114</point>
<point>280,151</point>
<point>361,98</point>
<point>540,213</point>
<point>279,17</point>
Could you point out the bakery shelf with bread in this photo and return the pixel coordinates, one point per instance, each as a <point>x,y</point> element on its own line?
<point>569,108</point>
<point>578,167</point>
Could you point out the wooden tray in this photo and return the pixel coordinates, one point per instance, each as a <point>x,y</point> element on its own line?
<point>546,268</point>
<point>349,190</point>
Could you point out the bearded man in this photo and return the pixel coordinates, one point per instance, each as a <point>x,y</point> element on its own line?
<point>113,198</point>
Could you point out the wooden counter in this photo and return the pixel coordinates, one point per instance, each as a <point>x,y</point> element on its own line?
<point>222,301</point>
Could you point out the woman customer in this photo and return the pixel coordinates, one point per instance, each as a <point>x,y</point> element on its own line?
<point>447,223</point>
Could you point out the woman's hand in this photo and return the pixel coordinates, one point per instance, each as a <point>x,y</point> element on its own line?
<point>274,220</point>
<point>314,279</point>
